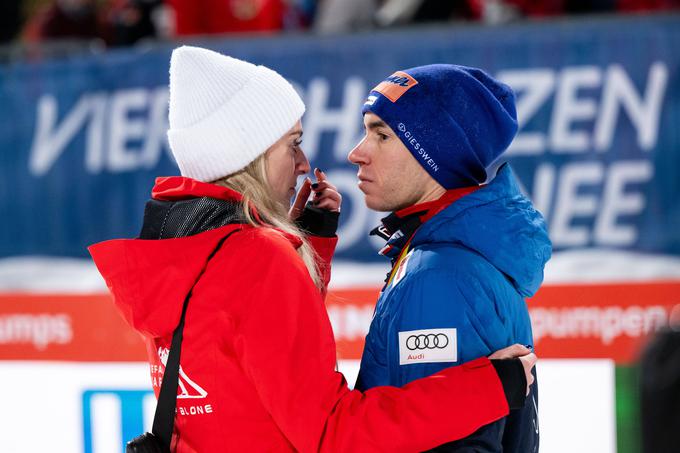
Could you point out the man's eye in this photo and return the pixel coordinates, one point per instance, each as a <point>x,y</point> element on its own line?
<point>382,137</point>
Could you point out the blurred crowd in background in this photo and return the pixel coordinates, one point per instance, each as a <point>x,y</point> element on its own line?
<point>112,23</point>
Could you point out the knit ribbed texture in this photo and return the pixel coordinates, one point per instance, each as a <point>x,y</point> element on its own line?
<point>225,112</point>
<point>455,120</point>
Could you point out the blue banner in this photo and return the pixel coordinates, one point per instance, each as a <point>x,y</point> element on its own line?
<point>83,138</point>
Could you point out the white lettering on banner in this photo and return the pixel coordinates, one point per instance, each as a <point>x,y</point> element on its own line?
<point>95,150</point>
<point>607,324</point>
<point>617,203</point>
<point>536,85</point>
<point>571,204</point>
<point>583,216</point>
<point>125,130</point>
<point>345,121</point>
<point>575,102</point>
<point>569,109</point>
<point>644,111</point>
<point>41,330</point>
<point>156,129</point>
<point>50,140</point>
<point>125,127</point>
<point>585,203</point>
<point>124,113</point>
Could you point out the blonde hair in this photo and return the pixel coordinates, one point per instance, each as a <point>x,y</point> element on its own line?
<point>252,183</point>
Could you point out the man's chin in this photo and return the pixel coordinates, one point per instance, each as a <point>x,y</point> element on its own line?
<point>376,204</point>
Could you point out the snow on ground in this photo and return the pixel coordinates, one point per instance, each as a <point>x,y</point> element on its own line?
<point>611,266</point>
<point>39,274</point>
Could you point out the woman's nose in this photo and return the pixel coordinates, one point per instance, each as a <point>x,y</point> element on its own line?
<point>303,163</point>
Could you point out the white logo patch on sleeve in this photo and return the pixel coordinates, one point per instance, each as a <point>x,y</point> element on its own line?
<point>428,346</point>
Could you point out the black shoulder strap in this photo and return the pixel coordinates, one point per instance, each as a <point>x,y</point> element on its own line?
<point>164,418</point>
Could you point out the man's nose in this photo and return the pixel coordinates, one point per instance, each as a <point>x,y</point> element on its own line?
<point>357,155</point>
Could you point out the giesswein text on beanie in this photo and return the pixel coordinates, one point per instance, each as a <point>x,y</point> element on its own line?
<point>454,120</point>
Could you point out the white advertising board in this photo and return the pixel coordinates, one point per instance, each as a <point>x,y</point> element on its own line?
<point>96,407</point>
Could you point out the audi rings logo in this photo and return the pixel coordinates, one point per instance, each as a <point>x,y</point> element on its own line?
<point>429,341</point>
<point>428,346</point>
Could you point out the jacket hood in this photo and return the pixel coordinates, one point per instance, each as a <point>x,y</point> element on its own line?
<point>184,221</point>
<point>149,279</point>
<point>499,223</point>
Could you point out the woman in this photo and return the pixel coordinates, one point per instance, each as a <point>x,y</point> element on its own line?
<point>258,355</point>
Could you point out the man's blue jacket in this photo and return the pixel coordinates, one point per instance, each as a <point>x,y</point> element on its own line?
<point>459,295</point>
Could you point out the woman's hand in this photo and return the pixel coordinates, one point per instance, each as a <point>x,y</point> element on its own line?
<point>326,196</point>
<point>525,356</point>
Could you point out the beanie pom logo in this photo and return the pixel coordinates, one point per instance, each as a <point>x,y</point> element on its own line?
<point>396,85</point>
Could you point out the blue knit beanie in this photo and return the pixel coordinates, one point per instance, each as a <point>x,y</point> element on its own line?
<point>455,120</point>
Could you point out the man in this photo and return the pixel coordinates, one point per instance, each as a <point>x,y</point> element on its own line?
<point>464,255</point>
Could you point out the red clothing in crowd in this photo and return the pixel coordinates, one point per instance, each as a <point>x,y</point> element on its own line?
<point>202,17</point>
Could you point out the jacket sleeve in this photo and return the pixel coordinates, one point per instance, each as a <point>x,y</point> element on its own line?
<point>285,344</point>
<point>436,299</point>
<point>373,371</point>
<point>324,248</point>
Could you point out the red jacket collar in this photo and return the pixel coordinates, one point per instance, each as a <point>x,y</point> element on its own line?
<point>172,188</point>
<point>432,208</point>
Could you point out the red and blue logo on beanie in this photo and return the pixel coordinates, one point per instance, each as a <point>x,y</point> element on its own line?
<point>396,85</point>
<point>454,120</point>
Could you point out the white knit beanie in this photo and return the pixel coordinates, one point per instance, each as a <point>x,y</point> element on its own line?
<point>225,112</point>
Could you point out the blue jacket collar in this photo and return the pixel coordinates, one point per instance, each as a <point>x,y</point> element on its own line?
<point>500,223</point>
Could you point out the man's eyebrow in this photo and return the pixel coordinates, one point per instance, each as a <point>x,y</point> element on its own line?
<point>297,132</point>
<point>376,124</point>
